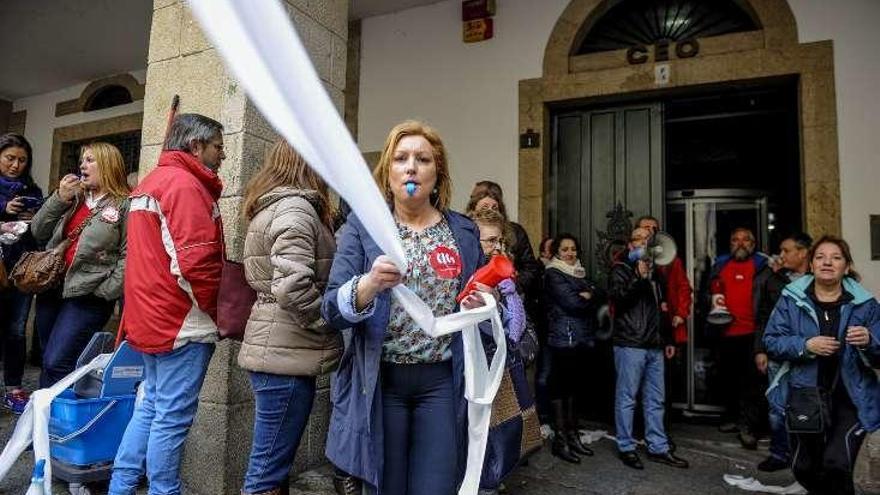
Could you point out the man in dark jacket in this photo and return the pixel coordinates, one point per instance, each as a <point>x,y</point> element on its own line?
<point>794,263</point>
<point>640,340</point>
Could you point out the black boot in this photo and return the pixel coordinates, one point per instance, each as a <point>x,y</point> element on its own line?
<point>573,438</point>
<point>560,446</point>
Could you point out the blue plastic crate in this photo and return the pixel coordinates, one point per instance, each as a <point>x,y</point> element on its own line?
<point>88,431</point>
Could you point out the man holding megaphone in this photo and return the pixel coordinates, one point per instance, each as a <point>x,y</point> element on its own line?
<point>734,301</point>
<point>641,339</point>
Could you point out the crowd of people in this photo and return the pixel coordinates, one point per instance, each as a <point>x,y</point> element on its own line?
<point>801,327</point>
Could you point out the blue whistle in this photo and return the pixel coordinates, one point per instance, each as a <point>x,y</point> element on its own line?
<point>411,188</point>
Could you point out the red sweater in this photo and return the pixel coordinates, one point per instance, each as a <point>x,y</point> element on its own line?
<point>79,216</point>
<point>736,285</point>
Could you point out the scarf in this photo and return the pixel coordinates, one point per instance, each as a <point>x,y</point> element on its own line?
<point>575,270</point>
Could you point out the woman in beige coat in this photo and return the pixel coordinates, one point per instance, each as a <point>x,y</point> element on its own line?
<point>287,255</point>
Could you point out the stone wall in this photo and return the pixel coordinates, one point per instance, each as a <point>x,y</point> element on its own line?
<point>181,61</point>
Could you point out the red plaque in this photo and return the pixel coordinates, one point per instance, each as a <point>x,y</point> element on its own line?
<point>477,30</point>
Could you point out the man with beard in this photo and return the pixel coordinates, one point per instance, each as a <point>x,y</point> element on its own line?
<point>733,286</point>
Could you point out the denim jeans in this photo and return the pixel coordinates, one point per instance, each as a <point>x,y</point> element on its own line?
<point>640,369</point>
<point>418,417</point>
<point>157,431</point>
<point>14,308</point>
<point>778,432</point>
<point>283,404</point>
<point>65,327</point>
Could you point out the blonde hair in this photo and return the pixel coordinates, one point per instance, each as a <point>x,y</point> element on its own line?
<point>442,197</point>
<point>284,167</point>
<point>111,169</point>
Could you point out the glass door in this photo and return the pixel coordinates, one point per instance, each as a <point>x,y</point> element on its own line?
<point>701,222</point>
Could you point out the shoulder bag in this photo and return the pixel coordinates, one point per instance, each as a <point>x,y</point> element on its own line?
<point>39,271</point>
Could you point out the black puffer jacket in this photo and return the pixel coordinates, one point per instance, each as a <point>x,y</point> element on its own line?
<point>528,269</point>
<point>571,319</point>
<point>636,302</point>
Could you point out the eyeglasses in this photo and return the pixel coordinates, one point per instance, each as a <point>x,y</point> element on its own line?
<point>492,241</point>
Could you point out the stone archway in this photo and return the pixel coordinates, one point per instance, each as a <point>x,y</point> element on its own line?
<point>770,52</point>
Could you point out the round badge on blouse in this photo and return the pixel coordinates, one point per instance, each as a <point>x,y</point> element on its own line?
<point>110,214</point>
<point>446,262</point>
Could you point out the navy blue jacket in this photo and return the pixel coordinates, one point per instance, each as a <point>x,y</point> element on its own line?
<point>571,319</point>
<point>355,438</point>
<point>9,190</point>
<point>794,321</point>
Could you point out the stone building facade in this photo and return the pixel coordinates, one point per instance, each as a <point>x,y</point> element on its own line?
<point>181,61</point>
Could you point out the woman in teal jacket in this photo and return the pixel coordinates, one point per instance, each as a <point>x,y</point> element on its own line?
<point>826,327</point>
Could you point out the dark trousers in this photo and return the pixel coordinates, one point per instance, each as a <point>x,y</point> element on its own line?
<point>418,416</point>
<point>14,308</point>
<point>742,382</point>
<point>543,366</point>
<point>823,462</point>
<point>567,372</point>
<point>65,327</point>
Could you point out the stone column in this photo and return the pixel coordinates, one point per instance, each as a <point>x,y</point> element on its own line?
<point>181,61</point>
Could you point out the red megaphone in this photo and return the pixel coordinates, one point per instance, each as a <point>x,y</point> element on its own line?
<point>492,273</point>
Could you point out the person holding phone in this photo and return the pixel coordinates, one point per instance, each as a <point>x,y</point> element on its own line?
<point>19,198</point>
<point>827,327</point>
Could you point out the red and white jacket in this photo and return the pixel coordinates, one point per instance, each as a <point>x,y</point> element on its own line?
<point>175,256</point>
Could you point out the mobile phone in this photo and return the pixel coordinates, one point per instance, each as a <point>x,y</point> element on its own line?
<point>30,202</point>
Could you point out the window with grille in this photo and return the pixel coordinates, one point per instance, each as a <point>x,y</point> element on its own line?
<point>645,22</point>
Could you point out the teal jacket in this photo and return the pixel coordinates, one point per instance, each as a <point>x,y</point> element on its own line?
<point>794,321</point>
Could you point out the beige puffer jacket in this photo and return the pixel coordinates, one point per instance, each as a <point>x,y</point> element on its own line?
<point>287,258</point>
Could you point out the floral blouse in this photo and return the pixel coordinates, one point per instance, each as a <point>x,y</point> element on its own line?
<point>433,269</point>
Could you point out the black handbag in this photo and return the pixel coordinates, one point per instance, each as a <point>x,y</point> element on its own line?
<point>808,410</point>
<point>528,346</point>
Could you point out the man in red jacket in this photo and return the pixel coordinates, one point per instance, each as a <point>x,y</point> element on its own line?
<point>172,277</point>
<point>677,287</point>
<point>732,286</point>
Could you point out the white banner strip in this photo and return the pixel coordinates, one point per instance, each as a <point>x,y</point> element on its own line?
<point>263,51</point>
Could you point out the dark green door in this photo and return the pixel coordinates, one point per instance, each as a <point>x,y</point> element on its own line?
<point>601,157</point>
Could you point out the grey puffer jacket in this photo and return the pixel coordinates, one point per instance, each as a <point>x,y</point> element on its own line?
<point>287,256</point>
<point>99,261</point>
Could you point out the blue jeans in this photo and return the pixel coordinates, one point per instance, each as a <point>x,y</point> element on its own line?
<point>65,327</point>
<point>776,416</point>
<point>283,404</point>
<point>418,418</point>
<point>639,369</point>
<point>158,429</point>
<point>14,308</point>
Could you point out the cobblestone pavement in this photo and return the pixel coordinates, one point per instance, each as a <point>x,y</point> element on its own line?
<point>710,453</point>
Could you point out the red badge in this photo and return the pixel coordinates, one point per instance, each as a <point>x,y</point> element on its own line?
<point>445,262</point>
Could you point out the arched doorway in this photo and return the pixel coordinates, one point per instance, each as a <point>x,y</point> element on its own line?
<point>631,92</point>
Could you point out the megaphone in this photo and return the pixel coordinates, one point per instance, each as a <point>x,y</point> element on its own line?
<point>661,248</point>
<point>492,273</point>
<point>719,315</point>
